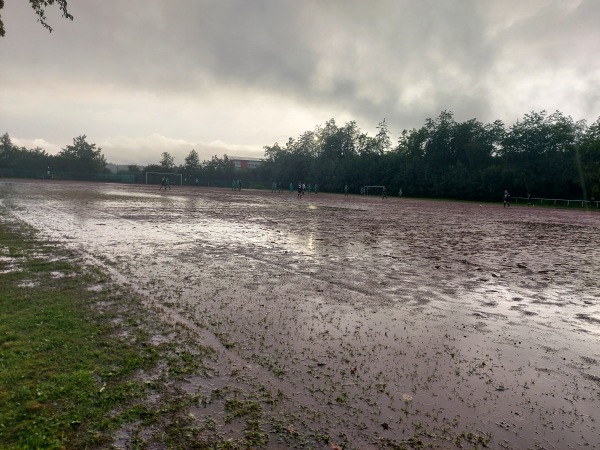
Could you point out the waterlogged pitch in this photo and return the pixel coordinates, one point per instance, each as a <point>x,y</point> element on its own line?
<point>377,322</point>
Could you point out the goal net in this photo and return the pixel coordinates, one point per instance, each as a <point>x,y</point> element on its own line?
<point>373,190</point>
<point>156,178</point>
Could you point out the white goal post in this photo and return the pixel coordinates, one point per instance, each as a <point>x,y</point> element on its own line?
<point>156,177</point>
<point>374,188</point>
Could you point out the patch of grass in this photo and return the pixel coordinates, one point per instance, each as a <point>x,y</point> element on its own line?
<point>237,408</point>
<point>63,371</point>
<point>266,362</point>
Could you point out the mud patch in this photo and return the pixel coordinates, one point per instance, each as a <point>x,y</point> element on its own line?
<point>588,318</point>
<point>588,360</point>
<point>449,324</point>
<point>96,288</point>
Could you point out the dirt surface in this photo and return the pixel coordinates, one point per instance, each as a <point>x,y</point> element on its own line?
<point>381,322</point>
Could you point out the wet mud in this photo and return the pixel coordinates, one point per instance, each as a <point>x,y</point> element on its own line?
<point>377,320</point>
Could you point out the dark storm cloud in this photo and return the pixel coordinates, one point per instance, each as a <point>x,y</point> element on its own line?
<point>154,66</point>
<point>356,56</point>
<point>359,56</point>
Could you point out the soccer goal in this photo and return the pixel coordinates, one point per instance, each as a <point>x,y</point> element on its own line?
<point>373,190</point>
<point>156,177</point>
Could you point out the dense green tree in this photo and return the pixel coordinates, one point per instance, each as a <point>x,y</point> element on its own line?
<point>80,157</point>
<point>167,161</point>
<point>439,151</point>
<point>542,150</point>
<point>588,161</point>
<point>192,162</point>
<point>28,161</point>
<point>218,168</point>
<point>227,167</point>
<point>34,159</point>
<point>273,153</point>
<point>7,150</point>
<point>156,168</point>
<point>382,140</point>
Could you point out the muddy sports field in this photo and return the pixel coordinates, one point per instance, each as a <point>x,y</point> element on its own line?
<point>377,323</point>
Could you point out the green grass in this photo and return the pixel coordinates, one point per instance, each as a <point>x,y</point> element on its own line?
<point>63,373</point>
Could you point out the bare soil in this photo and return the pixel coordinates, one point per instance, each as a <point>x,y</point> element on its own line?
<point>380,322</point>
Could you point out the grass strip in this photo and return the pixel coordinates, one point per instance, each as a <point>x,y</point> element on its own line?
<point>65,376</point>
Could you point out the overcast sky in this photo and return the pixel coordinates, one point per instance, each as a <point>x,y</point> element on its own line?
<point>140,77</point>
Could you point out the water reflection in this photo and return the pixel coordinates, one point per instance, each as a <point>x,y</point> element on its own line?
<point>310,242</point>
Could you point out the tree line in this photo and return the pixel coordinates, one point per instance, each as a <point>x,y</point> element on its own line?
<point>217,169</point>
<point>80,157</point>
<point>82,160</point>
<point>544,155</point>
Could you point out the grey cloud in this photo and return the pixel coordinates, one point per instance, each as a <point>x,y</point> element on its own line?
<point>273,45</point>
<point>399,59</point>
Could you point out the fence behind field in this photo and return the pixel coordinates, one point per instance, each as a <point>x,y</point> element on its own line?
<point>58,175</point>
<point>557,202</point>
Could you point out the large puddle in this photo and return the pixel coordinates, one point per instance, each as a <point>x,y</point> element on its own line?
<point>381,317</point>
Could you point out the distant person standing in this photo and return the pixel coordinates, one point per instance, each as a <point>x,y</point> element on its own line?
<point>529,202</point>
<point>197,183</point>
<point>384,192</point>
<point>299,189</point>
<point>506,199</point>
<point>291,187</point>
<point>346,190</point>
<point>400,193</point>
<point>163,183</point>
